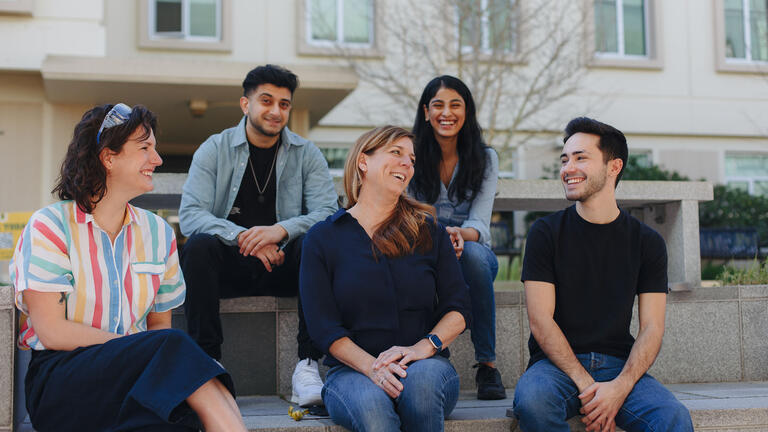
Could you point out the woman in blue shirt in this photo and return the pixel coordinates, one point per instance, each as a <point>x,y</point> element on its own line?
<point>457,173</point>
<point>384,296</point>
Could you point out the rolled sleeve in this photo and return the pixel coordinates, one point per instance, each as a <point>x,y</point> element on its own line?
<point>318,194</point>
<point>452,291</point>
<point>172,290</point>
<point>197,199</point>
<point>41,259</point>
<point>323,318</point>
<point>482,206</point>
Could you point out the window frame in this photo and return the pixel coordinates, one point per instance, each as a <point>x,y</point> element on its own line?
<point>653,58</point>
<point>730,64</point>
<point>308,46</point>
<point>149,38</point>
<point>750,180</point>
<point>485,23</point>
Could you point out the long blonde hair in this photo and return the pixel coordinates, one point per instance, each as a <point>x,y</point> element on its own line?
<point>405,230</point>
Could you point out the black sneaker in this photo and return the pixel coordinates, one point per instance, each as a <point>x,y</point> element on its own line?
<point>489,385</point>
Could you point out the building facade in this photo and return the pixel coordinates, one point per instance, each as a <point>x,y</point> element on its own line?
<point>686,80</point>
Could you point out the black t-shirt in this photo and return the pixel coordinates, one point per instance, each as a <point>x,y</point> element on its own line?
<point>252,208</point>
<point>597,270</point>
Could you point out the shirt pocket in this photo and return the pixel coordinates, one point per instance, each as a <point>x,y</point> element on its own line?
<point>147,276</point>
<point>148,267</point>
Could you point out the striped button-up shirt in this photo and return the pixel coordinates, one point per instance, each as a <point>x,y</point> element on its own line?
<point>109,286</point>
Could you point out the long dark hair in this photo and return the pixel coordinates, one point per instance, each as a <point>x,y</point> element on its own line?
<point>83,177</point>
<point>470,147</point>
<point>406,229</point>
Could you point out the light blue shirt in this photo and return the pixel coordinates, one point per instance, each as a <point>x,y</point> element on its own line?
<point>305,194</point>
<point>471,214</point>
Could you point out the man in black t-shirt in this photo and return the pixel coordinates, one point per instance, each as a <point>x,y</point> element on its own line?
<point>252,192</point>
<point>582,269</point>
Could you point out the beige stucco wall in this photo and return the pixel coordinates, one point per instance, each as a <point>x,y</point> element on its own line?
<point>72,27</point>
<point>686,113</point>
<point>34,135</point>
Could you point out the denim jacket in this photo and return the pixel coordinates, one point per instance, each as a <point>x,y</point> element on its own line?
<point>471,214</point>
<point>305,191</point>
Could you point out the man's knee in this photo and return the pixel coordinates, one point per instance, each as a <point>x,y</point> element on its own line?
<point>538,396</point>
<point>199,246</point>
<point>674,416</point>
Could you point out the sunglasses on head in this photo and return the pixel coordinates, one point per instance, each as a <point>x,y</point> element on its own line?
<point>118,115</point>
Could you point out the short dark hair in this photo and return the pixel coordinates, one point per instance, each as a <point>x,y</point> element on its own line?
<point>269,74</point>
<point>612,143</point>
<point>83,177</point>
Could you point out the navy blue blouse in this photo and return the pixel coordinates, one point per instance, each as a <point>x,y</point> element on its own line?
<point>377,302</point>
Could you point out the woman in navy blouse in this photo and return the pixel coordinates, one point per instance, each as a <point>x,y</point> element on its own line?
<point>384,296</point>
<point>457,173</point>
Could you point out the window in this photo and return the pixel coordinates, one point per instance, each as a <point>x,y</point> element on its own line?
<point>202,25</point>
<point>620,28</point>
<point>486,26</point>
<point>747,172</point>
<point>746,29</point>
<point>335,156</point>
<point>186,19</point>
<point>626,34</point>
<point>344,22</point>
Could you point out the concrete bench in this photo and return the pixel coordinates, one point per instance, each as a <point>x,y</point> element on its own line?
<point>713,334</point>
<point>713,407</point>
<point>670,207</point>
<point>714,337</point>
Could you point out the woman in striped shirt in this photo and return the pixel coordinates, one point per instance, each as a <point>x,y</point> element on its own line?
<point>96,279</point>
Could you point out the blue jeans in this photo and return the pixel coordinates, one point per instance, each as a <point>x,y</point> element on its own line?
<point>430,392</point>
<point>479,267</point>
<point>545,397</point>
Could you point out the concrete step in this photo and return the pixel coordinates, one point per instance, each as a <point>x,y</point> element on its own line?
<point>717,407</point>
<point>720,407</point>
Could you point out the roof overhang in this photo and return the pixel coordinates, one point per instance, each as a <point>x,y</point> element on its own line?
<point>166,86</point>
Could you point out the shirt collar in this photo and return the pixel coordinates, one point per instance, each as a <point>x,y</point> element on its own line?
<point>339,213</point>
<point>131,215</point>
<point>241,139</point>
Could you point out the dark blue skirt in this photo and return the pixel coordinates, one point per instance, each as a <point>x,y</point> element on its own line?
<point>133,383</point>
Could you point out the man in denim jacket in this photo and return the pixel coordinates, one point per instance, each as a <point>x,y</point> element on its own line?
<point>253,190</point>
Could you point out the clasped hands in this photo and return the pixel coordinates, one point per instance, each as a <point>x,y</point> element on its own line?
<point>600,402</point>
<point>261,242</point>
<point>391,365</point>
<point>457,240</point>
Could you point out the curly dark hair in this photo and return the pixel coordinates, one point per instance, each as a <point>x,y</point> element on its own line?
<point>83,177</point>
<point>471,148</point>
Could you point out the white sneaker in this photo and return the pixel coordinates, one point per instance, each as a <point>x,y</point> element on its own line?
<point>306,384</point>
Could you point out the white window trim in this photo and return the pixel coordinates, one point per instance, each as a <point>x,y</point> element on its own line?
<point>485,30</point>
<point>620,34</point>
<point>308,46</point>
<point>505,57</point>
<point>653,59</point>
<point>148,38</point>
<point>749,180</point>
<point>340,28</point>
<point>729,64</point>
<point>184,33</point>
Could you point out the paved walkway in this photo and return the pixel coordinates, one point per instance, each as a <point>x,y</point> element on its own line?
<point>714,406</point>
